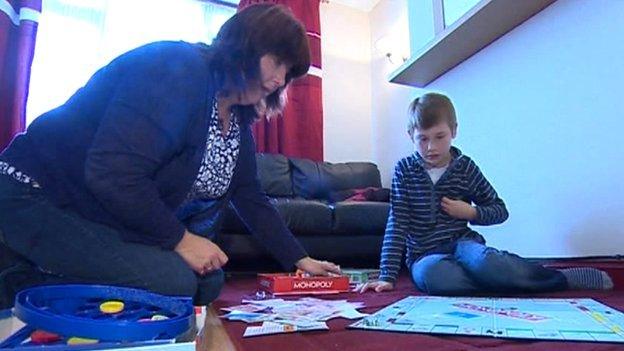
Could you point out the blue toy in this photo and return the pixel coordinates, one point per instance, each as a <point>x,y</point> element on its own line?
<point>75,311</point>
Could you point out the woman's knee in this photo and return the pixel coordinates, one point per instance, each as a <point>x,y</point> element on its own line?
<point>209,287</point>
<point>181,283</point>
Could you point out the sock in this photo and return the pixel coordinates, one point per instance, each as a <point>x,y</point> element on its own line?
<point>586,278</point>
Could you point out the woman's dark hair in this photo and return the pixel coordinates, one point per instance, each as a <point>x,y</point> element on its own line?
<point>253,32</point>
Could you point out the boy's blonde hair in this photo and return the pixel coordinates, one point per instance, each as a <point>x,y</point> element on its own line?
<point>430,109</point>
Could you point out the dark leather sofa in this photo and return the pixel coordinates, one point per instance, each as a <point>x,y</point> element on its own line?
<point>348,233</point>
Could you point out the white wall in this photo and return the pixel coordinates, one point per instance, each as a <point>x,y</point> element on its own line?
<point>364,114</point>
<point>389,101</point>
<point>540,111</point>
<point>345,46</point>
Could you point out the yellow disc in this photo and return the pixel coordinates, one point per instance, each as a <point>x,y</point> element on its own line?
<point>112,307</point>
<point>80,341</point>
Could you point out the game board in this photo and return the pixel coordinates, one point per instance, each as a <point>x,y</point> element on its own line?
<point>545,319</point>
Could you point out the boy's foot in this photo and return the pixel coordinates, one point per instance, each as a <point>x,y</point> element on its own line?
<point>586,278</point>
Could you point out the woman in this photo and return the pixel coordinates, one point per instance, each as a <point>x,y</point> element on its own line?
<point>125,182</point>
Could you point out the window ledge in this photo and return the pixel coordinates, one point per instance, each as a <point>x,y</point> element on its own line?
<point>483,24</point>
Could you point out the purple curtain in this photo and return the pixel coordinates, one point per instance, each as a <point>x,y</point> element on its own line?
<point>18,29</point>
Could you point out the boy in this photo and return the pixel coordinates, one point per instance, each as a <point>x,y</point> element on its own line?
<point>433,192</point>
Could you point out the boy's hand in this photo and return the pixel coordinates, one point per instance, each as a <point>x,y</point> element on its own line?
<point>316,267</point>
<point>459,209</point>
<point>377,286</point>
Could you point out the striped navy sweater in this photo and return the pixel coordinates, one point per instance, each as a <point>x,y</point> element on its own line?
<point>417,224</point>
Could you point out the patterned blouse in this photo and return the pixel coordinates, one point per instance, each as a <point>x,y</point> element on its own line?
<point>217,166</point>
<point>16,174</point>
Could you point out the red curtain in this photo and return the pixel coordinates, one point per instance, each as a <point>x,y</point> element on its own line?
<point>299,131</point>
<point>18,29</point>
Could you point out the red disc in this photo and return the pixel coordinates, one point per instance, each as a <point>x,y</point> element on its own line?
<point>43,337</point>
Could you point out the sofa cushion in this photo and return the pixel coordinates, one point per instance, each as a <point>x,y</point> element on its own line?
<point>366,194</point>
<point>274,173</point>
<point>360,218</point>
<point>303,217</point>
<point>316,180</point>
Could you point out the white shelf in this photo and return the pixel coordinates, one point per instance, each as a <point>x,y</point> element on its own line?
<point>483,24</point>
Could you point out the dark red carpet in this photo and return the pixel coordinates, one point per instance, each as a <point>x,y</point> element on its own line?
<point>342,339</point>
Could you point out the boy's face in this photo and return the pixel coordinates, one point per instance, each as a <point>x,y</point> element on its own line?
<point>434,144</point>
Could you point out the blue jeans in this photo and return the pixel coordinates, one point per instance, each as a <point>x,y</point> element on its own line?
<point>476,268</point>
<point>63,247</point>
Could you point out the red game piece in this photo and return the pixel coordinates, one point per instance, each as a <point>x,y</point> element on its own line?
<point>44,337</point>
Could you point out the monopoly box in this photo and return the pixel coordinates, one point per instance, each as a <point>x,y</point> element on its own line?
<point>294,284</point>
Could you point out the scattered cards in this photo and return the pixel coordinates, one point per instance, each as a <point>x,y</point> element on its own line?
<point>286,316</point>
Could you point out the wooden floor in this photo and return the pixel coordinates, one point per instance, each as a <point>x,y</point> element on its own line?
<point>214,336</point>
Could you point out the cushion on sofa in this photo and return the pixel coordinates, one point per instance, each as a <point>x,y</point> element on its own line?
<point>360,218</point>
<point>366,194</point>
<point>274,173</point>
<point>302,217</point>
<point>316,180</point>
<point>305,217</point>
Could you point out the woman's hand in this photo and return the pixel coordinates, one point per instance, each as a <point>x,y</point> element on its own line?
<point>459,209</point>
<point>201,254</point>
<point>376,285</point>
<point>316,267</point>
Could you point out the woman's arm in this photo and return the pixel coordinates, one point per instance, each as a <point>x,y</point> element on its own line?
<point>143,127</point>
<point>255,210</point>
